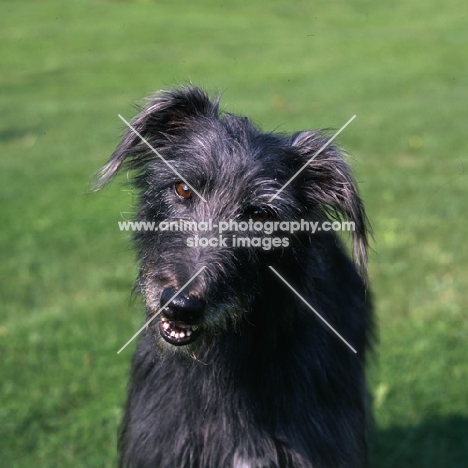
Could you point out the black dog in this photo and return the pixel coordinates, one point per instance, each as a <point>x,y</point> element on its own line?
<point>237,371</point>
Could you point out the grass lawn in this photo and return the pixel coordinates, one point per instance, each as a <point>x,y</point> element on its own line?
<point>68,68</point>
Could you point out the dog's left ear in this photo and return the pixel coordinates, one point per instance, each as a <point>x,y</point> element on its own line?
<point>330,188</point>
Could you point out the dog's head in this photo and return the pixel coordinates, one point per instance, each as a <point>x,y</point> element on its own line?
<point>197,165</point>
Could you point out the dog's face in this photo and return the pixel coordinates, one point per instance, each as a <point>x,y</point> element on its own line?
<point>216,169</point>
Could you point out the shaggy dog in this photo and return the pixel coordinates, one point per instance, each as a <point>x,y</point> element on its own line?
<point>235,368</point>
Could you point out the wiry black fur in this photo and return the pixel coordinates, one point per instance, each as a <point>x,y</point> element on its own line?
<point>266,385</point>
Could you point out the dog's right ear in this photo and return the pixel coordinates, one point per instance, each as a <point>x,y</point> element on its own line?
<point>159,123</point>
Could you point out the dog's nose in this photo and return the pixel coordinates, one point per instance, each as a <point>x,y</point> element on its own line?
<point>182,309</point>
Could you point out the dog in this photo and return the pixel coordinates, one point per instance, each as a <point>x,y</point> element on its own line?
<point>235,369</point>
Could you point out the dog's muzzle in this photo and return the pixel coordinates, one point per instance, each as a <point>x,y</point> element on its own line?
<point>179,324</point>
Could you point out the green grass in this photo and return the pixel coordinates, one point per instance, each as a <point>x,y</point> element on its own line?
<point>68,68</point>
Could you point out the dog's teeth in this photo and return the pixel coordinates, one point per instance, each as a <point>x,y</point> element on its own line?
<point>164,319</point>
<point>166,325</point>
<point>173,333</point>
<point>189,332</point>
<point>181,335</point>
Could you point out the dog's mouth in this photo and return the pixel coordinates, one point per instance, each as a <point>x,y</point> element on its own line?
<point>178,333</point>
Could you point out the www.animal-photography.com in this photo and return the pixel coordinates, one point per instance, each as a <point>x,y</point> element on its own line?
<point>232,234</point>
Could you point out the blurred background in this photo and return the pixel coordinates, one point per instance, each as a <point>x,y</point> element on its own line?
<point>67,68</point>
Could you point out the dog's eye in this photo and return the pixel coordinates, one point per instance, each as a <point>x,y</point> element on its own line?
<point>258,214</point>
<point>183,190</point>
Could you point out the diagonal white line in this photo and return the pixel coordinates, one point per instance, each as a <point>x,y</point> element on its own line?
<point>312,158</point>
<point>158,154</point>
<point>312,309</point>
<point>159,311</point>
